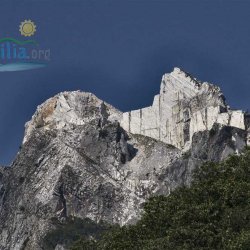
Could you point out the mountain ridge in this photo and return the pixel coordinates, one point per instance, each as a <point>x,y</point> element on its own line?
<point>81,157</point>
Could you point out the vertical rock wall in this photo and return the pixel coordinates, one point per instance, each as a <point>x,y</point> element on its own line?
<point>183,107</point>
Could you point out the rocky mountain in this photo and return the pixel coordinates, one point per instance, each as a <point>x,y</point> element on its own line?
<point>82,158</point>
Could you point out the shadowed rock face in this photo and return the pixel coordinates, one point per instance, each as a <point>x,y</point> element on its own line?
<point>77,160</point>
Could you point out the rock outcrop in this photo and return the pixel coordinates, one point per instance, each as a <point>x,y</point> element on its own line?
<point>183,107</point>
<point>83,158</point>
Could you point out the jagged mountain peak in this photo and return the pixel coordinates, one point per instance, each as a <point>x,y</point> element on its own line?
<point>187,84</point>
<point>183,107</point>
<point>69,109</point>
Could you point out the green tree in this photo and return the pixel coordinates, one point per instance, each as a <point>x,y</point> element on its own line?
<point>213,213</point>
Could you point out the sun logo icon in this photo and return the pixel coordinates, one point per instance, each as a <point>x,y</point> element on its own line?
<point>27,28</point>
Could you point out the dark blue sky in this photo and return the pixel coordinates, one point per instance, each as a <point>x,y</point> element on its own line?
<point>119,50</point>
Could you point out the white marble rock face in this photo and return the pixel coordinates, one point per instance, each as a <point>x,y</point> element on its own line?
<point>183,107</point>
<point>65,110</point>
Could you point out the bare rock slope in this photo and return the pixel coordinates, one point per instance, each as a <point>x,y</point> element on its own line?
<point>83,158</point>
<point>183,107</point>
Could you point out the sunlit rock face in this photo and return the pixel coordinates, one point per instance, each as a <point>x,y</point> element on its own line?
<point>69,109</point>
<point>81,157</point>
<point>183,107</point>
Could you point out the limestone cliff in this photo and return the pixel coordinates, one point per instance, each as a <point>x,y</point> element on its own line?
<point>183,107</point>
<point>83,158</point>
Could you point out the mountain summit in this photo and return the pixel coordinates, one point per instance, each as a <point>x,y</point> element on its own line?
<point>184,107</point>
<point>82,158</point>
